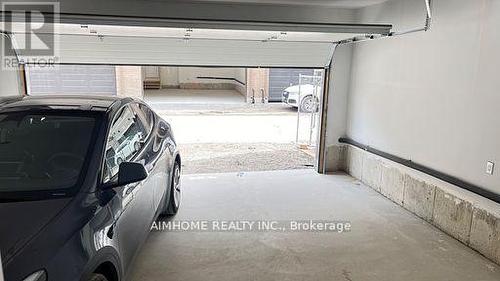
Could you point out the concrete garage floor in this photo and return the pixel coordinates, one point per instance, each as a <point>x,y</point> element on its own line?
<point>386,242</point>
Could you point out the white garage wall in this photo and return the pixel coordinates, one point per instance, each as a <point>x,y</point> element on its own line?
<point>432,97</point>
<point>187,77</point>
<point>169,76</point>
<point>338,92</point>
<point>190,74</point>
<point>240,74</point>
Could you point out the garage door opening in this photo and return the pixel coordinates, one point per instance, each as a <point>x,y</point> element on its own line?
<point>282,52</point>
<point>224,119</point>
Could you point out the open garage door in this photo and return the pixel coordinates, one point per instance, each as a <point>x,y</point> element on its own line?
<point>141,45</point>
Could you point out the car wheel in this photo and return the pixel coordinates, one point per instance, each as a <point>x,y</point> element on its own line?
<point>174,200</point>
<point>98,277</point>
<point>309,104</point>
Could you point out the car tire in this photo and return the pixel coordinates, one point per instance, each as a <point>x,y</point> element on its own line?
<point>98,277</point>
<point>309,104</point>
<point>174,200</point>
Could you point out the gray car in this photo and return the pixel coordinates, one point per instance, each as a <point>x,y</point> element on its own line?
<point>81,181</point>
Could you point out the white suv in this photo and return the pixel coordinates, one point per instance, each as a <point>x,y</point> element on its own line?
<point>307,102</point>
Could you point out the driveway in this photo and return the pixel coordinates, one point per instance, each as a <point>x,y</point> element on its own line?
<point>233,128</point>
<point>232,136</point>
<point>243,157</point>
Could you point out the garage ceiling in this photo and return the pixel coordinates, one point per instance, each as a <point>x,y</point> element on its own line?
<point>328,3</point>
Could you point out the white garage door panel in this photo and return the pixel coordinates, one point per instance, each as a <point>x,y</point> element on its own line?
<point>71,79</point>
<point>78,49</point>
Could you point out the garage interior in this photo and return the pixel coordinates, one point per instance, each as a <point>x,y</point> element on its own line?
<point>407,142</point>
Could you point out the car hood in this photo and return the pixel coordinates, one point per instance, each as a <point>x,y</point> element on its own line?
<point>21,221</point>
<point>304,88</point>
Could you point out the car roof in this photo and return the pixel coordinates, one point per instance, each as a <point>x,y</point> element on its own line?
<point>78,102</point>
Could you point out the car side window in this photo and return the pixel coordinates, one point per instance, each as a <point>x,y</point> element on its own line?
<point>145,114</point>
<point>125,139</point>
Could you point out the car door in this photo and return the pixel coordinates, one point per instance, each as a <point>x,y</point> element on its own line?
<point>133,203</point>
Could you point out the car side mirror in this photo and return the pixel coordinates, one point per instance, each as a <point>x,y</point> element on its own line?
<point>129,172</point>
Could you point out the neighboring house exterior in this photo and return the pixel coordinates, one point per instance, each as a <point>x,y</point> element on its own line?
<point>210,78</point>
<point>85,79</point>
<point>258,85</point>
<point>282,78</point>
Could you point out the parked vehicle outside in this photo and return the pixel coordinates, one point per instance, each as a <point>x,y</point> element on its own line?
<point>304,97</point>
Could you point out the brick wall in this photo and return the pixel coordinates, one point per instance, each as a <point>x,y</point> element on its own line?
<point>129,81</point>
<point>258,80</point>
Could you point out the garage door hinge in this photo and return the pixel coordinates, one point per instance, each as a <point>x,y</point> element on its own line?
<point>368,37</point>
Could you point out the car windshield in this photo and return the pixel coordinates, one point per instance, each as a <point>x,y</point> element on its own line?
<point>43,151</point>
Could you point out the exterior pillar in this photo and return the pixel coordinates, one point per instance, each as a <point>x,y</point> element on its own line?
<point>257,85</point>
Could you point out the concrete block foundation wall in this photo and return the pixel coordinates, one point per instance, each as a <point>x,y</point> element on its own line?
<point>470,218</point>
